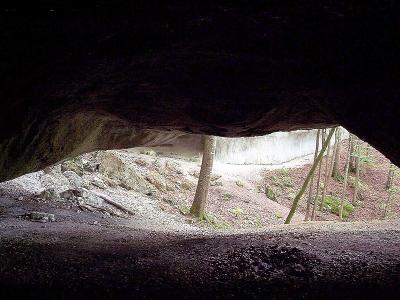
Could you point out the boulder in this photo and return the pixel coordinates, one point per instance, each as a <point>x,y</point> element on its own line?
<point>75,165</point>
<point>158,181</point>
<point>124,174</point>
<point>73,178</point>
<point>40,217</point>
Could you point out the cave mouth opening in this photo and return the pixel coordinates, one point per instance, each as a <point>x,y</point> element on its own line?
<point>116,223</point>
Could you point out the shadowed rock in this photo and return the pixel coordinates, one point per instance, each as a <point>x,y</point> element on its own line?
<point>75,81</point>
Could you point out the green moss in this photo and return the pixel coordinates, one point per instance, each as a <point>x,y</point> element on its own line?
<point>332,204</point>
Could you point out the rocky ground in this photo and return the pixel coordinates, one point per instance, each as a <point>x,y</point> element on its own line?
<point>109,259</point>
<point>155,188</point>
<point>158,187</point>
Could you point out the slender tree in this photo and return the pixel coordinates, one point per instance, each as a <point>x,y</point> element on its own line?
<point>352,165</point>
<point>203,185</point>
<point>313,213</point>
<point>389,181</point>
<point>346,174</point>
<point>308,178</point>
<point>327,176</point>
<point>387,204</point>
<point>336,156</point>
<point>357,170</point>
<point>312,178</point>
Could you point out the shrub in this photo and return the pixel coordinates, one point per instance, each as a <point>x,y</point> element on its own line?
<point>270,193</point>
<point>237,211</point>
<point>226,196</point>
<point>332,204</point>
<point>282,180</point>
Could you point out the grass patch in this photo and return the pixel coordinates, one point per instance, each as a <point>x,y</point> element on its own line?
<point>184,210</point>
<point>227,197</point>
<point>213,221</point>
<point>237,212</point>
<point>361,185</point>
<point>282,179</point>
<point>332,204</point>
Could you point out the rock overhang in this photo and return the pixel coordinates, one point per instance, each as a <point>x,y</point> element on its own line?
<point>78,79</point>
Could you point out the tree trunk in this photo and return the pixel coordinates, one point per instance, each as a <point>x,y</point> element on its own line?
<point>327,176</point>
<point>199,202</point>
<point>358,166</point>
<point>312,178</point>
<point>387,205</point>
<point>308,178</point>
<point>318,181</point>
<point>389,181</point>
<point>336,158</point>
<point>345,180</point>
<point>352,164</point>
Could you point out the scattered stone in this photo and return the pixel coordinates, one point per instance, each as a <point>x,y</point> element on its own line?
<point>215,177</point>
<point>123,174</point>
<point>74,179</point>
<point>40,217</point>
<point>49,194</point>
<point>150,192</point>
<point>90,166</point>
<point>75,165</point>
<point>148,152</point>
<point>141,162</point>
<point>186,186</point>
<point>71,194</point>
<point>158,181</point>
<point>96,181</point>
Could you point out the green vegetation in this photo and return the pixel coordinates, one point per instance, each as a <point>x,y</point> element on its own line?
<point>237,211</point>
<point>366,158</point>
<point>339,178</point>
<point>184,210</point>
<point>213,221</point>
<point>227,196</point>
<point>282,179</point>
<point>353,182</point>
<point>270,193</point>
<point>332,204</point>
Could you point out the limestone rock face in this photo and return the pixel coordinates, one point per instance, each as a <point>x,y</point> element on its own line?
<point>76,84</point>
<point>125,175</point>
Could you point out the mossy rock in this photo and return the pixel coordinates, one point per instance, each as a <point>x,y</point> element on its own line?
<point>75,165</point>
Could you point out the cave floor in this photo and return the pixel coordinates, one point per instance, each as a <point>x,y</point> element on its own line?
<point>98,259</point>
